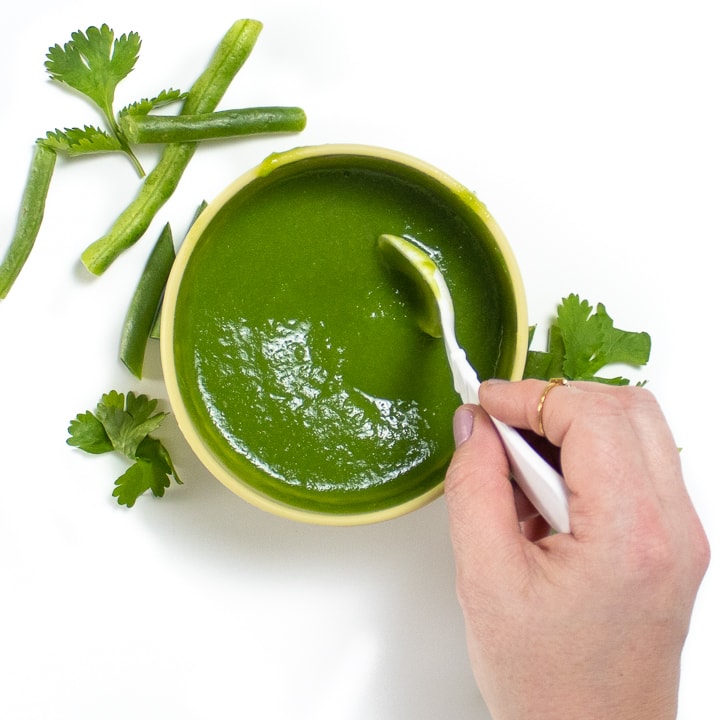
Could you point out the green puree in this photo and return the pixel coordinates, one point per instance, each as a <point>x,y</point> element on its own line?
<point>296,349</point>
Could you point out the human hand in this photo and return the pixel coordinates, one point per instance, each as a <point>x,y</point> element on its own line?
<point>589,624</point>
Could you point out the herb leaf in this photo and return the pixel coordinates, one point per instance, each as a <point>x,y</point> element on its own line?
<point>147,105</point>
<point>123,423</point>
<point>582,342</point>
<point>81,141</point>
<point>127,425</point>
<point>94,63</point>
<point>545,365</point>
<point>88,434</point>
<point>141,476</point>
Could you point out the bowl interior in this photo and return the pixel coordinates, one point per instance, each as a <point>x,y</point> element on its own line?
<point>294,363</point>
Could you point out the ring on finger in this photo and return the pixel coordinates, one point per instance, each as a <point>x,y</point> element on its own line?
<point>552,383</point>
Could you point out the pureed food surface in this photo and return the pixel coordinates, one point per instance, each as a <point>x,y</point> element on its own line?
<point>296,350</point>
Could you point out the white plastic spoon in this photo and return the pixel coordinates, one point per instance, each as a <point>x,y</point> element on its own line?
<point>541,483</point>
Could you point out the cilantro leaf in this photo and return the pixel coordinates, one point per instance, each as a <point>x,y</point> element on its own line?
<point>546,365</point>
<point>592,341</point>
<point>81,141</point>
<point>128,423</point>
<point>141,476</point>
<point>152,450</point>
<point>94,62</point>
<point>147,105</point>
<point>582,342</point>
<point>123,423</point>
<point>88,434</point>
<point>141,407</point>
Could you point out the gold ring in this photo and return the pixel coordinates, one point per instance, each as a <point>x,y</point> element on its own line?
<point>553,383</point>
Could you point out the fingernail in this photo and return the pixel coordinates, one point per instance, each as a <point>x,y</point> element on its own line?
<point>463,422</point>
<point>496,381</point>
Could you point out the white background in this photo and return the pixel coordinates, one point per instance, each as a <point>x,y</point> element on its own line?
<point>591,131</point>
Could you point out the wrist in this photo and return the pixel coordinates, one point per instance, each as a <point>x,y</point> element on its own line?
<point>641,698</point>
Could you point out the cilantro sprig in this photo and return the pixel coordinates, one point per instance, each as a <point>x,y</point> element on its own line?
<point>93,63</point>
<point>123,423</point>
<point>582,342</point>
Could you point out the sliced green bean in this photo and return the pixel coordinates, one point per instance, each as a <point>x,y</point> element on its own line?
<point>143,307</point>
<point>155,332</point>
<point>32,208</point>
<point>207,126</point>
<point>132,223</point>
<point>161,182</point>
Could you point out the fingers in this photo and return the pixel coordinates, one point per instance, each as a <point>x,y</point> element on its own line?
<point>479,494</point>
<point>517,404</point>
<point>524,509</point>
<point>617,451</point>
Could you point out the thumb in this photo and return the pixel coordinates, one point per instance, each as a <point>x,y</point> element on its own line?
<point>479,494</point>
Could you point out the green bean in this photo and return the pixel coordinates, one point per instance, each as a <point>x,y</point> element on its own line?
<point>144,305</point>
<point>161,182</point>
<point>132,223</point>
<point>32,208</point>
<point>221,124</point>
<point>155,332</point>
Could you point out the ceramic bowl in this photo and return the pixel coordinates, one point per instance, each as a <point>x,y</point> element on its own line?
<point>293,362</point>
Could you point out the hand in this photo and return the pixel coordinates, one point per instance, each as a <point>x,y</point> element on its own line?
<point>589,624</point>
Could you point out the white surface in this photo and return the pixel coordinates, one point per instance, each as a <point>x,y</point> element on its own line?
<point>591,132</point>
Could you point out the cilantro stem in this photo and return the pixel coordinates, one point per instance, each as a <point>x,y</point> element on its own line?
<point>122,140</point>
<point>32,208</point>
<point>225,123</point>
<point>145,302</point>
<point>160,183</point>
<point>125,145</point>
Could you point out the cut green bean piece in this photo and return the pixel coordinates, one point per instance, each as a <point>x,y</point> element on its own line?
<point>145,302</point>
<point>155,332</point>
<point>132,223</point>
<point>207,126</point>
<point>32,208</point>
<point>161,182</point>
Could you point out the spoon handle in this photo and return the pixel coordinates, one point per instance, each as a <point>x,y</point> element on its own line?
<point>543,485</point>
<point>465,379</point>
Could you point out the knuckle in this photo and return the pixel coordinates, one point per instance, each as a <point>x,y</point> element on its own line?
<point>637,399</point>
<point>669,550</point>
<point>701,552</point>
<point>606,405</point>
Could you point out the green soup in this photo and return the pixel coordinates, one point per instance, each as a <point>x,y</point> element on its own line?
<point>297,355</point>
